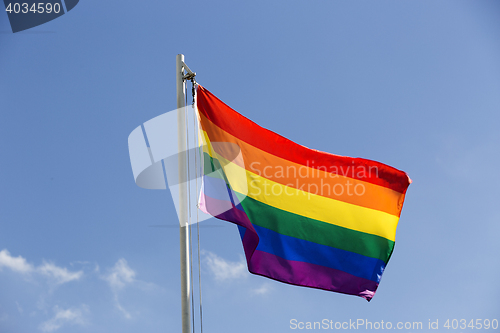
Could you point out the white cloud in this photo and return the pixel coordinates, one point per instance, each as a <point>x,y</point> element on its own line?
<point>264,289</point>
<point>17,264</point>
<point>223,269</point>
<point>60,275</point>
<point>119,276</point>
<point>20,265</point>
<point>126,314</point>
<point>63,317</point>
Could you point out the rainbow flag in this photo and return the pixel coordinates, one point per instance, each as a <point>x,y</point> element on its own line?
<point>305,217</point>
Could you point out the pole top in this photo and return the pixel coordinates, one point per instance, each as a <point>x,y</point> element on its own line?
<point>183,67</point>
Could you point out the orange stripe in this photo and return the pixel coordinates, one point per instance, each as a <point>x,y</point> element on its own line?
<point>315,181</point>
<point>246,130</point>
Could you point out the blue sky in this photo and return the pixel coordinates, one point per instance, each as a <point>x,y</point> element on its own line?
<point>415,85</point>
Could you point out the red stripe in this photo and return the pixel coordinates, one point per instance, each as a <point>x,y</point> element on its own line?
<point>246,130</point>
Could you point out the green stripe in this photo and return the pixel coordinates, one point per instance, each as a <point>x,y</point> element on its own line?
<point>305,228</point>
<point>212,167</point>
<point>315,231</point>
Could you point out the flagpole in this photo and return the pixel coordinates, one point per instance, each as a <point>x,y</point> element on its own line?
<point>183,209</point>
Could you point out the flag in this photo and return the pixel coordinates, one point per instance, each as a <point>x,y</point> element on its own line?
<point>305,217</point>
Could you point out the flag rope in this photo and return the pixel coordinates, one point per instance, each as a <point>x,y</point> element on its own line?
<point>189,209</point>
<point>196,137</point>
<point>190,217</point>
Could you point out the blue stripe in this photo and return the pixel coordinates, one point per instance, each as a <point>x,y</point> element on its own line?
<point>291,248</point>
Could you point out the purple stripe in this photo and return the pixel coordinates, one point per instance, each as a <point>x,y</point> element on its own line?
<point>289,271</point>
<point>310,275</point>
<point>216,207</point>
<point>210,205</point>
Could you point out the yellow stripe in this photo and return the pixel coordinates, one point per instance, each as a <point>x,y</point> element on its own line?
<point>311,205</point>
<point>353,191</point>
<point>302,202</point>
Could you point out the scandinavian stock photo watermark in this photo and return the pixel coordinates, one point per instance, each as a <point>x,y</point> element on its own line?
<point>219,175</point>
<point>311,179</point>
<point>408,326</point>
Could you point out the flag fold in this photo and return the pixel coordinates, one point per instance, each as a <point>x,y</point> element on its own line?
<point>305,217</point>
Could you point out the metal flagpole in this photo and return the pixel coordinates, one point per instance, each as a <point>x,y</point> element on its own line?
<point>183,191</point>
